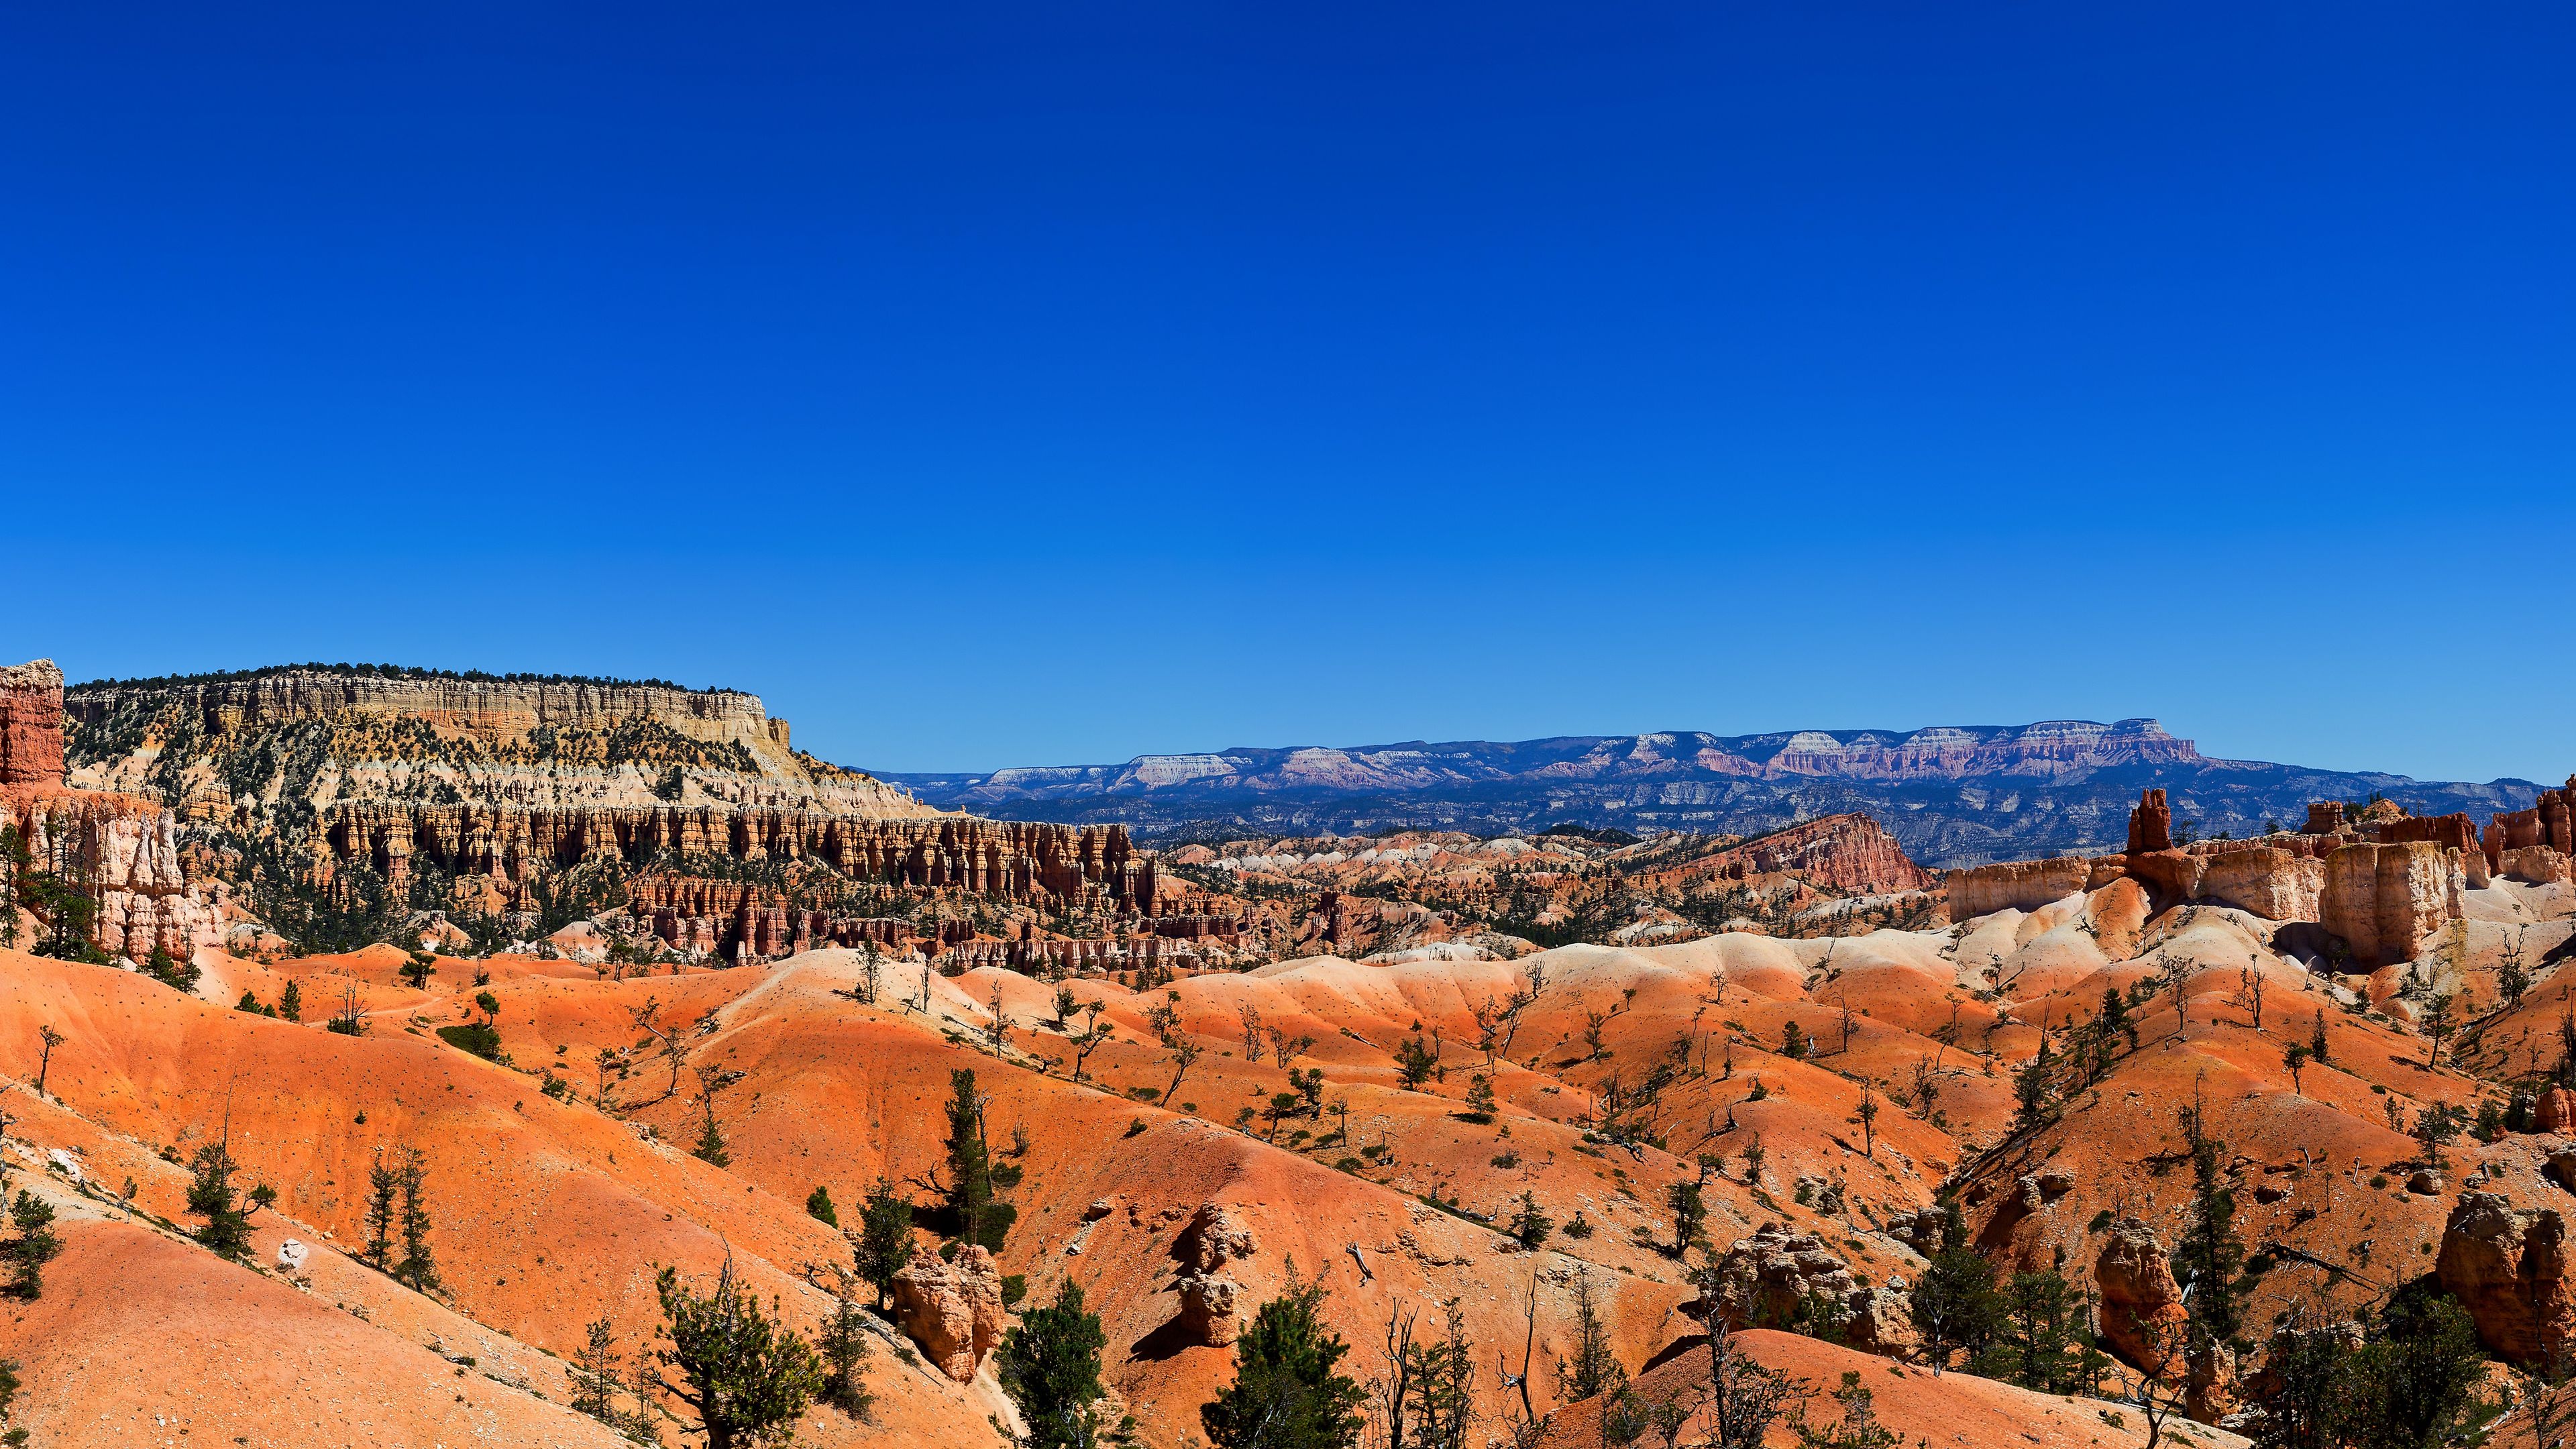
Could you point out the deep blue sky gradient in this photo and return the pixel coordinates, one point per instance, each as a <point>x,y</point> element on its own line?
<point>996,385</point>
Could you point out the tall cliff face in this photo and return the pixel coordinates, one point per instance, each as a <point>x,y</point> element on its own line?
<point>121,852</point>
<point>31,724</point>
<point>314,735</point>
<point>1056,868</point>
<point>2384,897</point>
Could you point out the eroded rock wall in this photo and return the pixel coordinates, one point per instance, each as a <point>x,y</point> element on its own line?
<point>31,724</point>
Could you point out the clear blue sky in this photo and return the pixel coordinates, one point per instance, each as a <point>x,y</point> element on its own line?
<point>988,386</point>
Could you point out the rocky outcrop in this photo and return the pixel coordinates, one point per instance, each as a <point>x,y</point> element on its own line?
<point>2386,901</point>
<point>1212,1301</point>
<point>1769,1279</point>
<point>2018,885</point>
<point>2550,823</point>
<point>31,724</point>
<point>2265,880</point>
<point>2325,817</point>
<point>2141,1302</point>
<point>2533,864</point>
<point>952,1309</point>
<point>2451,832</point>
<point>2509,1268</point>
<point>119,851</point>
<point>1849,853</point>
<point>2555,1111</point>
<point>1057,867</point>
<point>2150,824</point>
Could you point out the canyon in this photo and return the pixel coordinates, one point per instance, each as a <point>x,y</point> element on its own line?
<point>1600,1095</point>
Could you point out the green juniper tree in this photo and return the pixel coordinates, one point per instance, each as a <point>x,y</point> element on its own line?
<point>211,1195</point>
<point>884,1238</point>
<point>2207,1263</point>
<point>976,1211</point>
<point>1286,1392</point>
<point>33,1246</point>
<point>843,1345</point>
<point>417,1268</point>
<point>746,1375</point>
<point>1050,1366</point>
<point>1953,1303</point>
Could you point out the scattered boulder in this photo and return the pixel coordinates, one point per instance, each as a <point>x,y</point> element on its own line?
<point>1210,1299</point>
<point>2554,1112</point>
<point>1919,1229</point>
<point>2560,1167</point>
<point>2139,1294</point>
<point>2508,1267</point>
<point>952,1309</point>
<point>2424,1183</point>
<point>1764,1280</point>
<point>291,1255</point>
<point>1769,1279</point>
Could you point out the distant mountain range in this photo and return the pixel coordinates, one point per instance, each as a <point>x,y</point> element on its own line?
<point>1953,794</point>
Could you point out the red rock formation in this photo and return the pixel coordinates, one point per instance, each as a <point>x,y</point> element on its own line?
<point>2385,901</point>
<point>124,853</point>
<point>2140,1299</point>
<point>2150,824</point>
<point>1058,867</point>
<point>2275,881</point>
<point>31,724</point>
<point>2015,885</point>
<point>1211,1301</point>
<point>2509,1268</point>
<point>1766,1279</point>
<point>2554,1112</point>
<point>2325,817</point>
<point>953,1310</point>
<point>121,851</point>
<point>1838,852</point>
<point>2451,832</point>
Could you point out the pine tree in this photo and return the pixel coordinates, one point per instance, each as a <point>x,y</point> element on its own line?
<point>2035,1091</point>
<point>1442,1375</point>
<point>290,1002</point>
<point>1744,1396</point>
<point>843,1345</point>
<point>212,1196</point>
<point>2303,1398</point>
<point>1592,1368</point>
<point>32,1248</point>
<point>710,1148</point>
<point>1856,1428</point>
<point>2207,1260</point>
<point>1286,1393</point>
<point>975,1208</point>
<point>1690,1214</point>
<point>1953,1303</point>
<point>598,1378</point>
<point>2419,1374</point>
<point>747,1376</point>
<point>1050,1366</point>
<point>418,1268</point>
<point>2043,1337</point>
<point>818,1205</point>
<point>383,1184</point>
<point>1528,1224</point>
<point>884,1240</point>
